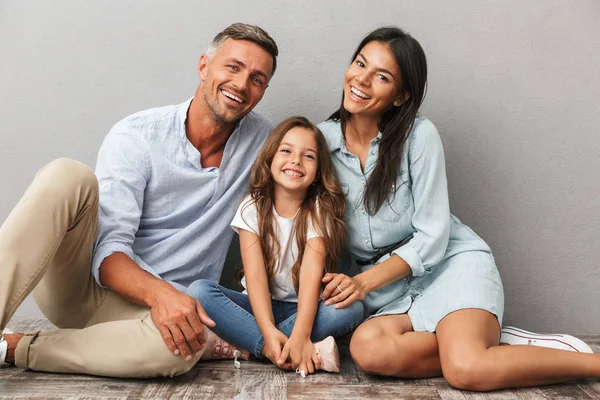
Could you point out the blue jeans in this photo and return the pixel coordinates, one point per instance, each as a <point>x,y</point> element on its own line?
<point>236,324</point>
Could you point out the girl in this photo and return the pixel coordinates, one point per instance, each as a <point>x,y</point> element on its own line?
<point>291,231</point>
<point>429,283</point>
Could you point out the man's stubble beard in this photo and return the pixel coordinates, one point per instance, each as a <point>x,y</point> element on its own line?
<point>215,109</point>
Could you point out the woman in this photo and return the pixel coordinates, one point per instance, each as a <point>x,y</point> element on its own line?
<point>428,282</point>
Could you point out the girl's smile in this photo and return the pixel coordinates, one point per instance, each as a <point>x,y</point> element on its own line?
<point>294,166</point>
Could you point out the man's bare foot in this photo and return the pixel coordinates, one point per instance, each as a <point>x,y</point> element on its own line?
<point>217,348</point>
<point>10,342</point>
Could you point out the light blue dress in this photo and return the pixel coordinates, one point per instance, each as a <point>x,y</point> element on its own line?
<point>452,268</point>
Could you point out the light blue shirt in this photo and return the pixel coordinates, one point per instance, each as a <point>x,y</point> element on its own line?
<point>417,205</point>
<point>159,206</point>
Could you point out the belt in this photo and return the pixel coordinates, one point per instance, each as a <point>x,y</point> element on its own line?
<point>383,252</point>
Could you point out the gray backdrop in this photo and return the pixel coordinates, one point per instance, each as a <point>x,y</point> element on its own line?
<point>514,90</point>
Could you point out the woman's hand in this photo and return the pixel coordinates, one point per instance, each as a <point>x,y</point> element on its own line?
<point>273,346</point>
<point>342,290</point>
<point>302,354</point>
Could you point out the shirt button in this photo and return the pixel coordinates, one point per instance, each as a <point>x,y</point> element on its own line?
<point>363,211</point>
<point>373,152</point>
<point>366,241</point>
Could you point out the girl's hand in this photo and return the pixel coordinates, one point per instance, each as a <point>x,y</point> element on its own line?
<point>302,354</point>
<point>272,349</point>
<point>342,290</point>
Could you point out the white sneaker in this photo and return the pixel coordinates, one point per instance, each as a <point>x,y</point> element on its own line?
<point>4,349</point>
<point>512,335</point>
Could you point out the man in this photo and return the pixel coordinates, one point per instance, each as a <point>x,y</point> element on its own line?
<point>168,183</point>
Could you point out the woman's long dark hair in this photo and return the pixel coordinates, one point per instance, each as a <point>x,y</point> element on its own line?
<point>397,122</point>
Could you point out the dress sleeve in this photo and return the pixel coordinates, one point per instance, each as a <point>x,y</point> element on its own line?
<point>431,219</point>
<point>123,169</point>
<point>246,217</point>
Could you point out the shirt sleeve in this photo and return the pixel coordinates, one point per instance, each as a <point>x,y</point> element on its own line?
<point>311,230</point>
<point>431,218</point>
<point>246,217</point>
<point>123,168</point>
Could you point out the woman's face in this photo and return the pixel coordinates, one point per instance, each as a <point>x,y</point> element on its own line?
<point>372,82</point>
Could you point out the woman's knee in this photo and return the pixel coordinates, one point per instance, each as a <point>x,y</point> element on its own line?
<point>363,348</point>
<point>370,348</point>
<point>466,372</point>
<point>366,348</point>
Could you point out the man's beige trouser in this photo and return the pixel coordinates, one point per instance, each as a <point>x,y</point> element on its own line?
<point>46,247</point>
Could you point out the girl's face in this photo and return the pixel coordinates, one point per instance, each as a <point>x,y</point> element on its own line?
<point>294,166</point>
<point>372,83</point>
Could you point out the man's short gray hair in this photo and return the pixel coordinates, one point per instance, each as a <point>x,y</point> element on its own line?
<point>252,33</point>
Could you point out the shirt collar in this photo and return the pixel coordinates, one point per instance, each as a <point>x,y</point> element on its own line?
<point>336,140</point>
<point>182,111</point>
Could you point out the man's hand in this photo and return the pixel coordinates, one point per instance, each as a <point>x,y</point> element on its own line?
<point>180,319</point>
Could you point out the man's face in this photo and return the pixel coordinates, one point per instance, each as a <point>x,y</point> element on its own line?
<point>235,79</point>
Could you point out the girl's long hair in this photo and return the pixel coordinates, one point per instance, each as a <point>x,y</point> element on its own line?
<point>324,204</point>
<point>397,122</point>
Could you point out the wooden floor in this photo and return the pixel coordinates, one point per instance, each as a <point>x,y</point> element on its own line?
<point>256,380</point>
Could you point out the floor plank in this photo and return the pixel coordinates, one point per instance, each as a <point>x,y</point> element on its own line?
<point>564,391</point>
<point>310,391</point>
<point>261,380</point>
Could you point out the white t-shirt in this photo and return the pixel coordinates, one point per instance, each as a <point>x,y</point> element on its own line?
<point>283,285</point>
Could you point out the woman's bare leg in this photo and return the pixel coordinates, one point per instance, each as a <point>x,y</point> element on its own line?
<point>388,345</point>
<point>471,358</point>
